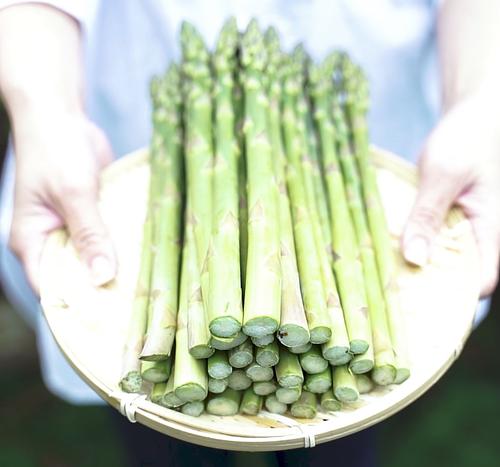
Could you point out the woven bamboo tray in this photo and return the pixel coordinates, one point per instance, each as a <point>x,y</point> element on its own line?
<point>90,324</point>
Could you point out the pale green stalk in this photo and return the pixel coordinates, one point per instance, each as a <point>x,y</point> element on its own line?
<point>347,265</point>
<point>191,380</point>
<point>293,330</point>
<point>312,361</point>
<point>357,107</point>
<point>273,405</point>
<point>263,275</point>
<point>156,371</point>
<point>311,279</point>
<point>288,370</point>
<point>238,380</point>
<point>319,383</point>
<point>227,403</point>
<point>251,403</point>
<point>225,311</point>
<point>258,373</point>
<point>241,356</point>
<point>264,388</point>
<point>217,386</point>
<point>344,384</point>
<point>218,365</point>
<point>268,356</point>
<point>166,206</point>
<point>329,402</point>
<point>305,406</point>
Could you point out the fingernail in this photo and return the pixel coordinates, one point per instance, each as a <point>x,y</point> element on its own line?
<point>102,270</point>
<point>417,251</point>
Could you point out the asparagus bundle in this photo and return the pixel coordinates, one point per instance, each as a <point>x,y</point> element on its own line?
<point>286,289</point>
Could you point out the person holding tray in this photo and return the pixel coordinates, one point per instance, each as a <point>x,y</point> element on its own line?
<point>74,77</point>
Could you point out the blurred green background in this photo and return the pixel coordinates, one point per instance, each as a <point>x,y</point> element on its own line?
<point>456,424</point>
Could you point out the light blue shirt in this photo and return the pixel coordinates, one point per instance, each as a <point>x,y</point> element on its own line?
<point>129,41</point>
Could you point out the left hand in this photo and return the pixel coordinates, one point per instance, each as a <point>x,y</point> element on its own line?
<point>460,164</point>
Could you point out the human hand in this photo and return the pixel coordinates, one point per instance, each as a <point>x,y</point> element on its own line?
<point>58,159</point>
<point>460,165</point>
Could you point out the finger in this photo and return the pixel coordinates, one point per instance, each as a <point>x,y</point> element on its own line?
<point>89,235</point>
<point>488,241</point>
<point>437,192</point>
<point>102,147</point>
<point>28,248</point>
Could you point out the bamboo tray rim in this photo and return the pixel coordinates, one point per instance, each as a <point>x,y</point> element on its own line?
<point>189,428</point>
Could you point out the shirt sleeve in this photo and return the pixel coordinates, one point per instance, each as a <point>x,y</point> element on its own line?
<point>83,11</point>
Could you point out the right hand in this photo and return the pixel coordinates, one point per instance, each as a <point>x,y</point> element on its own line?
<point>58,160</point>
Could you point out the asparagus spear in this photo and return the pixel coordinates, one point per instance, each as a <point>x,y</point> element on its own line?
<point>293,330</point>
<point>131,380</point>
<point>384,371</point>
<point>258,373</point>
<point>227,343</point>
<point>312,361</point>
<point>169,398</point>
<point>238,380</point>
<point>199,152</point>
<point>218,365</point>
<point>357,106</point>
<point>348,269</point>
<point>156,372</point>
<point>166,208</point>
<point>344,384</point>
<point>217,386</point>
<point>157,393</point>
<point>241,356</point>
<point>197,327</point>
<point>195,408</point>
<point>251,403</point>
<point>337,347</point>
<point>329,402</point>
<point>289,395</point>
<point>362,363</point>
<point>239,113</point>
<point>305,406</point>
<point>191,381</point>
<point>263,340</point>
<point>318,319</point>
<point>318,383</point>
<point>364,384</point>
<point>268,356</point>
<point>226,403</point>
<point>263,274</point>
<point>301,348</point>
<point>288,370</point>
<point>273,405</point>
<point>225,297</point>
<point>264,388</point>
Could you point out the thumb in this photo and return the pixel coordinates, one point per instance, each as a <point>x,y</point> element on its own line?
<point>89,235</point>
<point>438,189</point>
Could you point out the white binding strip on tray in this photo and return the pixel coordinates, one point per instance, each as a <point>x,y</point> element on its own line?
<point>305,430</point>
<point>129,403</point>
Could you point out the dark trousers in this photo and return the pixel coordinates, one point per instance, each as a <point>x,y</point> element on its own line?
<point>148,448</point>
